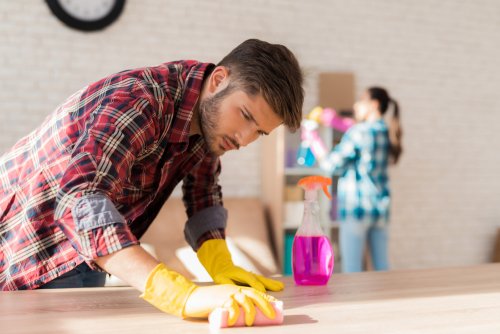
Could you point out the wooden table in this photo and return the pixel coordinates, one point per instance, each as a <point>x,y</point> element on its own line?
<point>445,300</point>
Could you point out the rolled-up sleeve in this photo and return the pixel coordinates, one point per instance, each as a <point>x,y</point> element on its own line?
<point>209,220</point>
<point>93,211</point>
<point>202,196</point>
<point>86,209</point>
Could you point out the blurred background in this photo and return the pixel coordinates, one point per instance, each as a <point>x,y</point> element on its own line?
<point>439,59</point>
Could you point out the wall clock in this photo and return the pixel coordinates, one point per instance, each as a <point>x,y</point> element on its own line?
<point>87,15</point>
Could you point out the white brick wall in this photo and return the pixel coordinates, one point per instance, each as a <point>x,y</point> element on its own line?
<point>439,58</point>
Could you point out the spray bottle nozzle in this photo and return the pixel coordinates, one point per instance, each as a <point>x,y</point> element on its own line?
<point>315,182</point>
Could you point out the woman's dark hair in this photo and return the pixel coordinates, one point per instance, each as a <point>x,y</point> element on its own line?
<point>395,132</point>
<point>271,70</point>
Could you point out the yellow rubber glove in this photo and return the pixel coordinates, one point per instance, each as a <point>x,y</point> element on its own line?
<point>168,290</point>
<point>173,293</point>
<point>215,257</point>
<point>231,297</point>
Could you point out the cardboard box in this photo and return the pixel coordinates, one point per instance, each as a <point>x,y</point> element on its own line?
<point>336,90</point>
<point>496,252</point>
<point>294,193</point>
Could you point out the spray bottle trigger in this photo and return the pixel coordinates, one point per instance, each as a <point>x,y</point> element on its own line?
<point>327,193</point>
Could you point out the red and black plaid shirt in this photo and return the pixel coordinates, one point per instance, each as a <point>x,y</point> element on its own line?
<point>91,179</point>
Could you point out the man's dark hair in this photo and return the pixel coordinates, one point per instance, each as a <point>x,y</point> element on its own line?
<point>272,70</point>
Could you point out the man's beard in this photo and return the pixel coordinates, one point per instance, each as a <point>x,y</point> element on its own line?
<point>209,115</point>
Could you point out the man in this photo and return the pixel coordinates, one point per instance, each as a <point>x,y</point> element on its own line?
<point>78,192</point>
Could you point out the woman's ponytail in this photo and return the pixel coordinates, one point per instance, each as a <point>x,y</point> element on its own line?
<point>395,130</point>
<point>395,134</point>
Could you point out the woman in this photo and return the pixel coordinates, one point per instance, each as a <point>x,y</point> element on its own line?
<point>361,159</point>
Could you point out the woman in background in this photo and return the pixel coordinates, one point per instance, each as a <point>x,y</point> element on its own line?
<point>361,159</point>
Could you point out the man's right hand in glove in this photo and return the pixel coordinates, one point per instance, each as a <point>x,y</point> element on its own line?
<point>174,294</point>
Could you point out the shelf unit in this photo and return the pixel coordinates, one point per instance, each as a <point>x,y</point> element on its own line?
<point>335,90</point>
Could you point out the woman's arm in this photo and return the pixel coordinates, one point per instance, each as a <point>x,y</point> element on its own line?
<point>342,154</point>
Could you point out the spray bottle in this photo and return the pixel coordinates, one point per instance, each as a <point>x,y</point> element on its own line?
<point>312,253</point>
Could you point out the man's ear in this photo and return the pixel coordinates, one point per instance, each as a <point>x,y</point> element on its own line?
<point>218,80</point>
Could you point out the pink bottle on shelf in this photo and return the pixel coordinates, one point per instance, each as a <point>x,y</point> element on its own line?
<point>312,253</point>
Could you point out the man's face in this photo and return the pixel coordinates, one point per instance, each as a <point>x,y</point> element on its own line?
<point>230,119</point>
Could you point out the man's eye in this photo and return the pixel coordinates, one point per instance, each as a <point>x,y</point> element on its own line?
<point>245,115</point>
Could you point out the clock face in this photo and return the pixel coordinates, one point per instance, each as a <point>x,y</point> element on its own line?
<point>87,10</point>
<point>86,14</point>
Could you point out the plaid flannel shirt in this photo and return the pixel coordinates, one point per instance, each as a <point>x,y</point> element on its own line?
<point>91,179</point>
<point>361,160</point>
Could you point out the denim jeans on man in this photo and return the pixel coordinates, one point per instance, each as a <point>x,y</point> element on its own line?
<point>80,277</point>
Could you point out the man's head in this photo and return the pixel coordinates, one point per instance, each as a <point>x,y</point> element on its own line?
<point>253,90</point>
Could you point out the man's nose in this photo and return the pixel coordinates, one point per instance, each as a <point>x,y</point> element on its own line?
<point>246,136</point>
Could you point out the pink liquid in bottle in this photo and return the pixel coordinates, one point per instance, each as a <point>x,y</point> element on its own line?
<point>312,260</point>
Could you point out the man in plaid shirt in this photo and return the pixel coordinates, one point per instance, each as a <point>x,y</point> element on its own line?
<point>78,192</point>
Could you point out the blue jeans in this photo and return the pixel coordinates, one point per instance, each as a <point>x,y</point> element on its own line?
<point>354,234</point>
<point>80,277</point>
